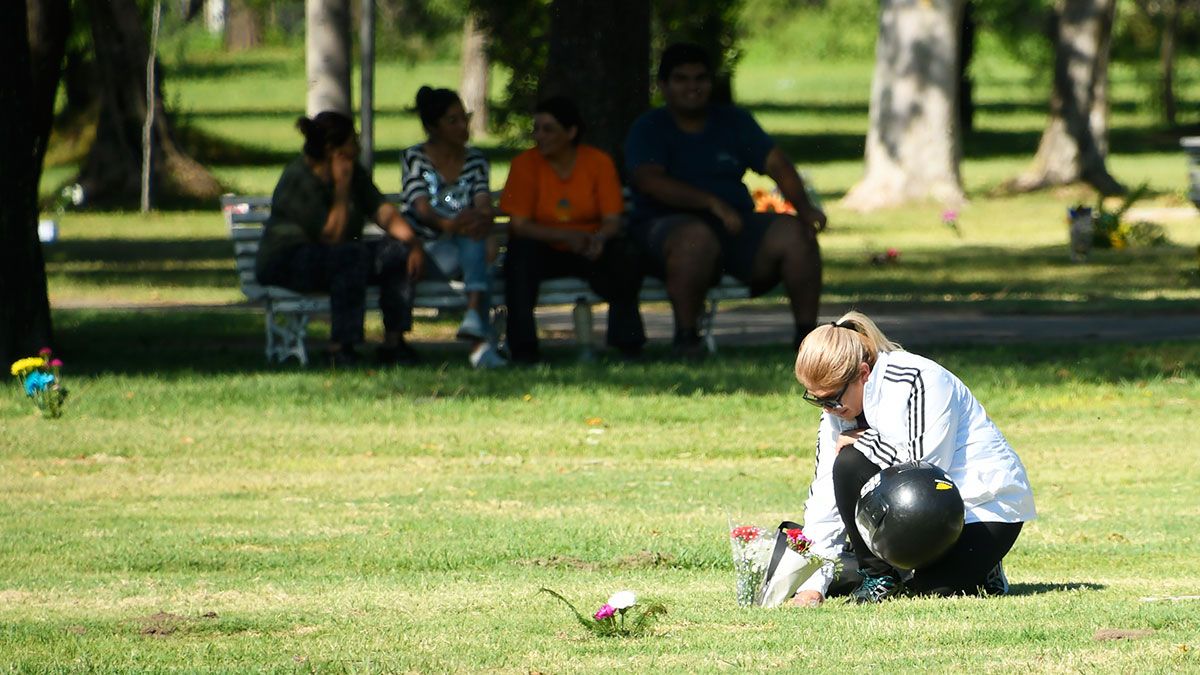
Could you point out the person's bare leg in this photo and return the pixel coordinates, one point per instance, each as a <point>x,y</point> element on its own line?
<point>691,254</point>
<point>790,253</point>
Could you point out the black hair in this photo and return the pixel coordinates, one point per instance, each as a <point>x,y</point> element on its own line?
<point>326,130</point>
<point>433,103</point>
<point>682,53</point>
<point>565,112</point>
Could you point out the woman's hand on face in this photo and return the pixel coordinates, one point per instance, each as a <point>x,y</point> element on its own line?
<point>808,599</point>
<point>341,167</point>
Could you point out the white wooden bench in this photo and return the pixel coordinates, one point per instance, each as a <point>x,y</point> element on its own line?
<point>288,312</point>
<point>1191,145</point>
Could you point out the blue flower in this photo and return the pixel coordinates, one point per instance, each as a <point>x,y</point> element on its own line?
<point>37,381</point>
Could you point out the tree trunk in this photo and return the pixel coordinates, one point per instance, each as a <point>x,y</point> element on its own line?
<point>1167,58</point>
<point>111,174</point>
<point>914,143</point>
<point>966,84</point>
<point>32,41</point>
<point>49,28</point>
<point>1075,141</point>
<point>243,27</point>
<point>599,55</point>
<point>475,66</point>
<point>215,14</point>
<point>327,58</point>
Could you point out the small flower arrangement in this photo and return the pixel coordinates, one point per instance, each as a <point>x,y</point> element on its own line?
<point>1111,231</point>
<point>40,377</point>
<point>770,564</point>
<point>752,548</point>
<point>950,220</point>
<point>610,619</point>
<point>771,201</point>
<point>889,256</point>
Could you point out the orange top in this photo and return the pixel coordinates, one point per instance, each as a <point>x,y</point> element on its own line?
<point>535,191</point>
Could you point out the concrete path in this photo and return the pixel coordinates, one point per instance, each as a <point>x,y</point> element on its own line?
<point>773,325</point>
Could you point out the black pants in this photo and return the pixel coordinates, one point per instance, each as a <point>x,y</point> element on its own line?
<point>344,271</point>
<point>961,571</point>
<point>615,276</point>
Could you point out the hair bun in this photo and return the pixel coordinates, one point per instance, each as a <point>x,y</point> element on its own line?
<point>423,94</point>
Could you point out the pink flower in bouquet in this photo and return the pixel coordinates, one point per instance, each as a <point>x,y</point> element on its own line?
<point>797,541</point>
<point>44,352</point>
<point>745,533</point>
<point>605,612</point>
<point>56,363</point>
<point>949,216</point>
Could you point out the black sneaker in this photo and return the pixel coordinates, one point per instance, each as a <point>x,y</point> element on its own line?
<point>631,354</point>
<point>688,348</point>
<point>401,353</point>
<point>875,589</point>
<point>346,357</point>
<point>996,583</point>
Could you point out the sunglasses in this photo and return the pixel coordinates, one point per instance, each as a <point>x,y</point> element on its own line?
<point>828,403</point>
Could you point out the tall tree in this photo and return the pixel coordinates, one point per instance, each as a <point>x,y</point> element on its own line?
<point>243,25</point>
<point>111,174</point>
<point>327,59</point>
<point>914,143</point>
<point>1075,142</point>
<point>32,42</point>
<point>475,80</point>
<point>599,55</point>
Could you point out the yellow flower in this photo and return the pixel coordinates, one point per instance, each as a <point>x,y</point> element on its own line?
<point>22,366</point>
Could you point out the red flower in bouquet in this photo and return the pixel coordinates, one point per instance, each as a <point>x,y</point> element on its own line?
<point>797,541</point>
<point>745,533</point>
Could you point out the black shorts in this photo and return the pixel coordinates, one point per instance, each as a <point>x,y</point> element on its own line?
<point>737,251</point>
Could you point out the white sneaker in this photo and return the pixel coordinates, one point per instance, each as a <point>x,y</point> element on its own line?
<point>473,326</point>
<point>485,357</point>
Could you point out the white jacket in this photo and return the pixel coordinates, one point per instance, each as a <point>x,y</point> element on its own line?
<point>917,409</point>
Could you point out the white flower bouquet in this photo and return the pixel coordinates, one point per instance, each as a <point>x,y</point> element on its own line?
<point>770,564</point>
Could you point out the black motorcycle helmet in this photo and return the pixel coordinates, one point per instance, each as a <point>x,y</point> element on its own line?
<point>910,514</point>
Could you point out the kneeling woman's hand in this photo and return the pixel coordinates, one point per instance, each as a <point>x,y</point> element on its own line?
<point>808,599</point>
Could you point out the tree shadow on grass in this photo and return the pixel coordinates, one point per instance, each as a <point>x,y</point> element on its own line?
<point>1067,586</point>
<point>188,343</point>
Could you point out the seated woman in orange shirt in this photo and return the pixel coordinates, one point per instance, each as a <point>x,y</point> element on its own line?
<point>564,202</point>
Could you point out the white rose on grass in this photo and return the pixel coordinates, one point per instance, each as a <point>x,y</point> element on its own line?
<point>622,600</point>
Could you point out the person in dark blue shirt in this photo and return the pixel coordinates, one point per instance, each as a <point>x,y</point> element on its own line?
<point>695,217</point>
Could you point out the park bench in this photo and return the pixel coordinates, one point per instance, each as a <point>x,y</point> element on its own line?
<point>1191,145</point>
<point>288,312</point>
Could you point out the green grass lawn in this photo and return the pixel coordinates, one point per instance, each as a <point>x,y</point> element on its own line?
<point>194,510</point>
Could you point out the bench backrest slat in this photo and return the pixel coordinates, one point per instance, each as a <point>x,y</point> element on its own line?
<point>245,217</point>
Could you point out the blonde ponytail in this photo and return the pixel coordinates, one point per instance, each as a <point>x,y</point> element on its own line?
<point>830,354</point>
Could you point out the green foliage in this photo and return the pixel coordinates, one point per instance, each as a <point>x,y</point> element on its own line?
<point>520,30</point>
<point>519,34</point>
<point>1022,27</point>
<point>819,30</point>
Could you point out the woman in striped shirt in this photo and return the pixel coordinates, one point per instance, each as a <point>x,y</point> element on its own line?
<point>884,406</point>
<point>444,188</point>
